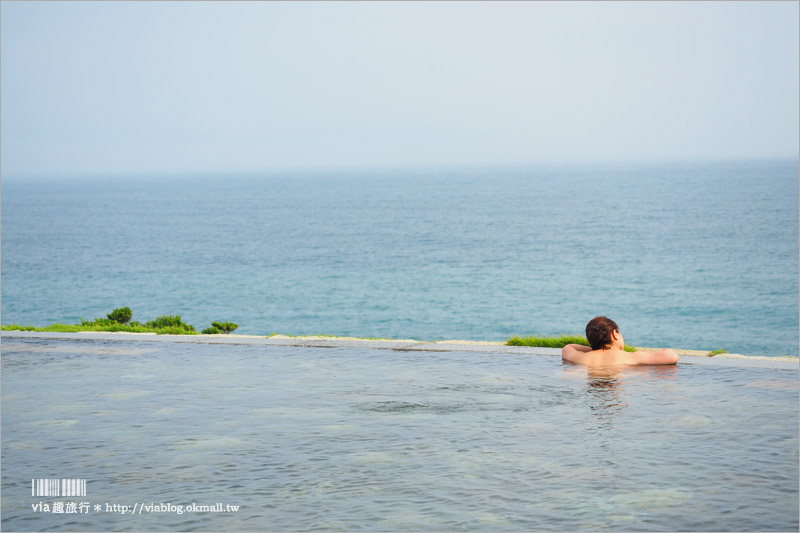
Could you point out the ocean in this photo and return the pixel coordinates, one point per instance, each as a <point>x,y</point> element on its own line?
<point>695,255</point>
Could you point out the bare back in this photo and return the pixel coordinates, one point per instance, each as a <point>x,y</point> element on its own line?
<point>583,355</point>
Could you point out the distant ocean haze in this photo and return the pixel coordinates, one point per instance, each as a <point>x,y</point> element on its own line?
<point>687,255</point>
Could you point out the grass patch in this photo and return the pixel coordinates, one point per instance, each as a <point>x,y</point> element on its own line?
<point>547,342</point>
<point>716,352</point>
<point>220,328</point>
<point>116,321</point>
<point>75,328</point>
<point>553,342</point>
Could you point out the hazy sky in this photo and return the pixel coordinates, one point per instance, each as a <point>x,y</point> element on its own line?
<point>158,87</point>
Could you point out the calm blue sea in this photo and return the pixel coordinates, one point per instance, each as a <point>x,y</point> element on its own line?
<point>688,255</point>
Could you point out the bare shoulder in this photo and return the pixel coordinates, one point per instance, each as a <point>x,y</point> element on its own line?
<point>573,353</point>
<point>665,356</point>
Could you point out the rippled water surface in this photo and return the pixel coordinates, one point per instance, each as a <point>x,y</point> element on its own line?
<point>311,438</point>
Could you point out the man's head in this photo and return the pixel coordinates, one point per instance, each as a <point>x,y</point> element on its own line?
<point>601,332</point>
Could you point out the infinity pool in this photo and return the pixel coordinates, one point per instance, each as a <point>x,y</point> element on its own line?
<point>348,438</point>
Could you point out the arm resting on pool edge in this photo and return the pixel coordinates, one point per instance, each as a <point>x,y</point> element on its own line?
<point>665,356</point>
<point>570,351</point>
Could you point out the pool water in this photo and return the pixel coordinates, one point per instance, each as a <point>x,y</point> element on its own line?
<point>348,438</point>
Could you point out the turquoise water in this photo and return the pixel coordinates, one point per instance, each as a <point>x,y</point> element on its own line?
<point>358,439</point>
<point>700,256</point>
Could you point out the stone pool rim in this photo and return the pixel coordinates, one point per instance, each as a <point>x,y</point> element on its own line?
<point>691,357</point>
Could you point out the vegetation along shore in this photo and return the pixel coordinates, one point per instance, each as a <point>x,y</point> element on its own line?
<point>119,320</point>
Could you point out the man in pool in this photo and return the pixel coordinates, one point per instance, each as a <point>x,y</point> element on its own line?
<point>607,348</point>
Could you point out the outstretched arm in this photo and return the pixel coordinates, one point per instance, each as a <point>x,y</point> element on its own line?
<point>659,357</point>
<point>571,351</point>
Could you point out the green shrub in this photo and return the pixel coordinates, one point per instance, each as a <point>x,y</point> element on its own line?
<point>171,322</point>
<point>211,331</point>
<point>121,315</point>
<point>186,329</point>
<point>99,322</point>
<point>225,327</point>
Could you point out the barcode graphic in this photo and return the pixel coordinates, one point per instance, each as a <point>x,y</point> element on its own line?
<point>58,487</point>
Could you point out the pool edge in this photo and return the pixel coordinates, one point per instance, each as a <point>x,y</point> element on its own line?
<point>407,345</point>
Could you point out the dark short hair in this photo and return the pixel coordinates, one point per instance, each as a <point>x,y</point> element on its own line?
<point>598,332</point>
